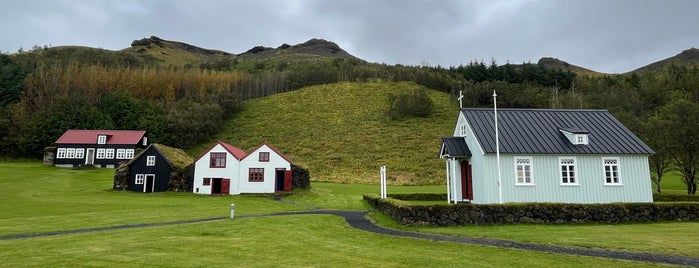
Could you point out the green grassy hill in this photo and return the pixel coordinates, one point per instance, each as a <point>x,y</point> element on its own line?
<point>341,132</point>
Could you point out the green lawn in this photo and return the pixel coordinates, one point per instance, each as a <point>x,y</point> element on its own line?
<point>35,199</point>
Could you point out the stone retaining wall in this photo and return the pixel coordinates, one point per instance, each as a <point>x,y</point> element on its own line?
<point>469,214</point>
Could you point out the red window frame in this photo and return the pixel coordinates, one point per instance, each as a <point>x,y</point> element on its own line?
<point>217,160</point>
<point>207,182</point>
<point>256,175</point>
<point>264,156</point>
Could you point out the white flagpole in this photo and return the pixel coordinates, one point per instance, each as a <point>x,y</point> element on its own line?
<point>461,97</point>
<point>497,146</point>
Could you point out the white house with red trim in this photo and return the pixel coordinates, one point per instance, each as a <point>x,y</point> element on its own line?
<point>226,169</point>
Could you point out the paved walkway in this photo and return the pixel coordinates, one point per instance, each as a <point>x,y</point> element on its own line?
<point>358,220</point>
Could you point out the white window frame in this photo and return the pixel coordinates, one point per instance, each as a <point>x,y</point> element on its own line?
<point>120,153</point>
<point>80,153</point>
<point>565,170</point>
<point>70,152</point>
<point>463,130</point>
<point>129,153</point>
<point>530,164</point>
<point>101,139</point>
<point>145,141</point>
<point>61,153</point>
<point>150,160</point>
<point>139,178</point>
<point>580,139</point>
<point>109,153</point>
<point>100,153</point>
<point>614,168</point>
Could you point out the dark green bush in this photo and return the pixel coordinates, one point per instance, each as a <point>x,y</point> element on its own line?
<point>411,103</point>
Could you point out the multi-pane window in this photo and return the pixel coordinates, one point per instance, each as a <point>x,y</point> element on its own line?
<point>218,160</point>
<point>256,175</point>
<point>129,153</point>
<point>61,153</point>
<point>101,139</point>
<point>121,153</point>
<point>109,154</point>
<point>523,170</point>
<point>145,141</point>
<point>264,156</point>
<point>80,153</point>
<point>207,181</point>
<point>611,171</point>
<point>139,178</point>
<point>462,130</point>
<point>70,153</point>
<point>100,154</point>
<point>568,170</point>
<point>150,160</point>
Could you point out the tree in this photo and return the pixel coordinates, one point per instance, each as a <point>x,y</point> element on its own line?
<point>679,119</point>
<point>655,136</point>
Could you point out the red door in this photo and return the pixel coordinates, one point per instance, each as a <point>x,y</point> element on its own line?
<point>287,180</point>
<point>225,186</point>
<point>466,181</point>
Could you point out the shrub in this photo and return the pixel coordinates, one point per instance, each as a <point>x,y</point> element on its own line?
<point>411,103</point>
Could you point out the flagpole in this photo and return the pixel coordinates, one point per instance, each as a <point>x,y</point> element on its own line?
<point>497,145</point>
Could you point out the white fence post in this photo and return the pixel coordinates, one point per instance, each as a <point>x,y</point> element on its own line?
<point>383,181</point>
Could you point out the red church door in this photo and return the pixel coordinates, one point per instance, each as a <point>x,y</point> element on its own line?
<point>466,181</point>
<point>225,186</point>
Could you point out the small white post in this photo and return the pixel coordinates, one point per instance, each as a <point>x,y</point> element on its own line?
<point>232,210</point>
<point>383,181</point>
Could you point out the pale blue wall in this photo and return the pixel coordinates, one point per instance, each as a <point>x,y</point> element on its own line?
<point>633,169</point>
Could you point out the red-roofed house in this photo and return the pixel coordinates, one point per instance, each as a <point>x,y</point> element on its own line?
<point>101,148</point>
<point>226,169</point>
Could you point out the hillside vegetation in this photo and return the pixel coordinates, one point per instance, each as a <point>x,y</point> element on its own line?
<point>341,132</point>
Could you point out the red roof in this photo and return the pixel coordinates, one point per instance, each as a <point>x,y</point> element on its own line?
<point>239,153</point>
<point>80,136</point>
<point>235,151</point>
<point>273,149</point>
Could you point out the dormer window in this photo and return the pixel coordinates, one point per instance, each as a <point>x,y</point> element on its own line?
<point>580,139</point>
<point>101,139</point>
<point>576,136</point>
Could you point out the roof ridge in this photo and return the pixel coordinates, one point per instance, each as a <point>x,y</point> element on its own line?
<point>536,110</point>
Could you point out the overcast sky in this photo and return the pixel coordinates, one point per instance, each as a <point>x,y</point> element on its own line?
<point>612,36</point>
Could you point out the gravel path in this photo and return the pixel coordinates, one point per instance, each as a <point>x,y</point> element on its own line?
<point>358,220</point>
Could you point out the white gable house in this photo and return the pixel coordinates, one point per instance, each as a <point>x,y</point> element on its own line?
<point>562,156</point>
<point>226,169</point>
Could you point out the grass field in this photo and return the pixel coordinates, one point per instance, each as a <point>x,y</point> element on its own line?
<point>35,199</point>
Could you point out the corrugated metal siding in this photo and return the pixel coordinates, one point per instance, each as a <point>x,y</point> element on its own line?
<point>634,174</point>
<point>536,131</point>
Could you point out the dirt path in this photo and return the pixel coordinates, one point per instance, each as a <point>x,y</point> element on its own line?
<point>358,220</point>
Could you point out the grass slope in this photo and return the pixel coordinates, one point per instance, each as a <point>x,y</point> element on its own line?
<point>341,133</point>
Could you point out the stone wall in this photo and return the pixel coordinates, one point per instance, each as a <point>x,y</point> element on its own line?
<point>470,214</point>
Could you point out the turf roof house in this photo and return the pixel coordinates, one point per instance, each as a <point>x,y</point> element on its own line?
<point>158,168</point>
<point>101,148</point>
<point>226,169</point>
<point>564,156</point>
